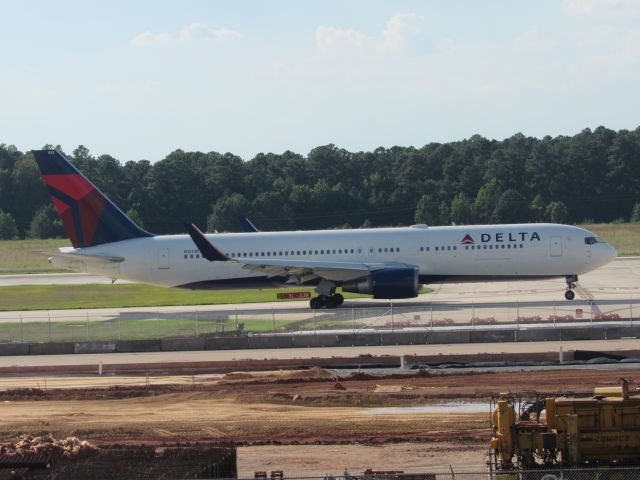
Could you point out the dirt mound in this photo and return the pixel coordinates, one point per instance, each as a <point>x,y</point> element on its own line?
<point>282,376</point>
<point>48,446</point>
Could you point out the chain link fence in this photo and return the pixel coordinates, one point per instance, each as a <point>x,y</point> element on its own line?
<point>181,322</point>
<point>602,473</point>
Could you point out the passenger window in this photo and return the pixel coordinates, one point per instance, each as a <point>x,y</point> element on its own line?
<point>436,249</point>
<point>427,249</point>
<point>379,250</point>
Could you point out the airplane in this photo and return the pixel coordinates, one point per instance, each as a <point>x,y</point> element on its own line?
<point>388,263</point>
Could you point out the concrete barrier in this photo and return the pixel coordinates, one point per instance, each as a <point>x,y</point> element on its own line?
<point>53,348</point>
<point>14,349</point>
<point>567,334</point>
<point>311,341</point>
<point>357,340</point>
<point>537,335</point>
<point>492,336</point>
<point>279,341</point>
<point>441,337</point>
<point>621,332</point>
<point>404,338</point>
<point>226,343</point>
<point>182,344</point>
<point>132,346</point>
<point>94,347</point>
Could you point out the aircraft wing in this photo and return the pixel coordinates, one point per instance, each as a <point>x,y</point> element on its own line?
<point>301,271</point>
<point>298,271</point>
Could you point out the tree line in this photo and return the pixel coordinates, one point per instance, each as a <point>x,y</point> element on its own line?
<point>593,176</point>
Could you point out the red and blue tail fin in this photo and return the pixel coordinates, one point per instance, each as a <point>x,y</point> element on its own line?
<point>88,216</point>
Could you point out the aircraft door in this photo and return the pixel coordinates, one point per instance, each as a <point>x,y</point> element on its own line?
<point>163,258</point>
<point>556,246</point>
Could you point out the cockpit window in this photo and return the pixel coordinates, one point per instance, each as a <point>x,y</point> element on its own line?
<point>592,240</point>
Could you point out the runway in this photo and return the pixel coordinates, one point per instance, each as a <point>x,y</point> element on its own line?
<point>616,285</point>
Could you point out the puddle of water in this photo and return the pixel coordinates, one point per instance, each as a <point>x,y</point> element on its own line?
<point>433,408</point>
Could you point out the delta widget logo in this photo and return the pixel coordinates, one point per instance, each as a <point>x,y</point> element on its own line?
<point>467,240</point>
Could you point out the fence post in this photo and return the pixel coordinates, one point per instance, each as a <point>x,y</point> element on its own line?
<point>119,320</point>
<point>314,319</point>
<point>392,327</point>
<point>273,319</point>
<point>157,324</point>
<point>49,315</point>
<point>431,305</point>
<point>353,319</point>
<point>21,330</point>
<point>198,325</point>
<point>88,327</point>
<point>237,328</point>
<point>518,312</point>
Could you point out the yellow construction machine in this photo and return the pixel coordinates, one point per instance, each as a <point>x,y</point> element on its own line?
<point>571,432</point>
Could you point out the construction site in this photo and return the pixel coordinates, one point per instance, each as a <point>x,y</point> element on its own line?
<point>410,414</point>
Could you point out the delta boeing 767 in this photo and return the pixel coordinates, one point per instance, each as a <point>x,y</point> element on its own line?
<point>387,263</point>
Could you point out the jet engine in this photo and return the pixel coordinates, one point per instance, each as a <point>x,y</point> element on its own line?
<point>386,283</point>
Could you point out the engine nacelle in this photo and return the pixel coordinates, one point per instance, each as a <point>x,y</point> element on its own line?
<point>386,283</point>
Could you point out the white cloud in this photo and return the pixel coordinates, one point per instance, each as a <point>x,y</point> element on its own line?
<point>533,39</point>
<point>199,31</point>
<point>398,29</point>
<point>336,39</point>
<point>610,8</point>
<point>149,39</point>
<point>393,39</point>
<point>191,33</point>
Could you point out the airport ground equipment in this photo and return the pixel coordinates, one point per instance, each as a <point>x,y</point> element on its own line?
<point>567,432</point>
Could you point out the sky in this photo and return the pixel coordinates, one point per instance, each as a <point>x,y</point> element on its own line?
<point>137,80</point>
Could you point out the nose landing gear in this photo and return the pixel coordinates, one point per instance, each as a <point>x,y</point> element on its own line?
<point>571,284</point>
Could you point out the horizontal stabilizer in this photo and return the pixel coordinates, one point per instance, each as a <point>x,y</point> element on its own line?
<point>81,256</point>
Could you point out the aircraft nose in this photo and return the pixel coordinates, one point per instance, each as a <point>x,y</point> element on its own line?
<point>611,253</point>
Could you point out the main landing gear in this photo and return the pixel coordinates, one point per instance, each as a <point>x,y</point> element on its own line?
<point>327,296</point>
<point>329,301</point>
<point>571,284</point>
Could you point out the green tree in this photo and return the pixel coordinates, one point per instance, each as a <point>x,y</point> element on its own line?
<point>8,228</point>
<point>635,213</point>
<point>461,211</point>
<point>538,208</point>
<point>225,213</point>
<point>428,211</point>
<point>557,212</point>
<point>46,224</point>
<point>133,214</point>
<point>511,208</point>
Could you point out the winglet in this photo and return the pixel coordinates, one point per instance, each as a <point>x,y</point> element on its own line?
<point>247,225</point>
<point>207,249</point>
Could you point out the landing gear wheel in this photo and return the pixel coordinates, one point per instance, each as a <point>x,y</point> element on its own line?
<point>328,301</point>
<point>331,301</point>
<point>569,295</point>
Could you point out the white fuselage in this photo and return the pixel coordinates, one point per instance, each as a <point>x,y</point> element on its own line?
<point>455,253</point>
